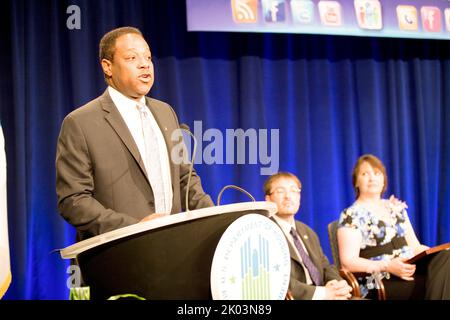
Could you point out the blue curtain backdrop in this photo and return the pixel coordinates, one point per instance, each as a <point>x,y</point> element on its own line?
<point>332,99</point>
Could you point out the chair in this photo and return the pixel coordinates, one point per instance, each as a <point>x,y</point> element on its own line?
<point>347,275</point>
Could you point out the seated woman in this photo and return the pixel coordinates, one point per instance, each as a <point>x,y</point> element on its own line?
<point>375,235</point>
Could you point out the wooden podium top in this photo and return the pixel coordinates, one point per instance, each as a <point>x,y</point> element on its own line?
<point>77,248</point>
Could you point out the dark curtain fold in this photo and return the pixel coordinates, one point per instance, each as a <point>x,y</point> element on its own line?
<point>331,98</point>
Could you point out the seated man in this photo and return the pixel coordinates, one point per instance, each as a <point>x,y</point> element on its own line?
<point>312,276</point>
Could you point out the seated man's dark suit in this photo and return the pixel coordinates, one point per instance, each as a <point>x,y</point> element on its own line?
<point>297,285</point>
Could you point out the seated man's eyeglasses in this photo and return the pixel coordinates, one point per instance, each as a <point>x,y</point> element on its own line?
<point>282,191</point>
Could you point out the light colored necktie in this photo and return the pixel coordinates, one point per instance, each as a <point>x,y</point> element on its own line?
<point>314,273</point>
<point>152,160</point>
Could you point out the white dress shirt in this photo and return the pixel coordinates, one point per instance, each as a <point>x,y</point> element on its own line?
<point>130,113</point>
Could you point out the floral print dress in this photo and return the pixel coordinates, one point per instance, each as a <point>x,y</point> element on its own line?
<point>376,232</point>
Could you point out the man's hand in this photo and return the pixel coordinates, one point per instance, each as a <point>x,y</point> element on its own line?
<point>338,290</point>
<point>154,216</point>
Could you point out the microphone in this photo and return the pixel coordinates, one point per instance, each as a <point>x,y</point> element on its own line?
<point>232,186</point>
<point>186,128</point>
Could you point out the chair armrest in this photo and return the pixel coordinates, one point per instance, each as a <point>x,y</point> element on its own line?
<point>352,282</point>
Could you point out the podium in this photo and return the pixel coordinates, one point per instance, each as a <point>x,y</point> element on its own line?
<point>165,258</point>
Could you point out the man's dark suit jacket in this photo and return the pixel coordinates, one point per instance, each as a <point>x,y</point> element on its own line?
<point>101,181</point>
<point>297,285</point>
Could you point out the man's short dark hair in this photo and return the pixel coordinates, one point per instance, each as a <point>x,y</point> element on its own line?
<point>287,175</point>
<point>108,41</point>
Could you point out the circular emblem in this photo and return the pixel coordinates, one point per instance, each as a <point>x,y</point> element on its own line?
<point>251,261</point>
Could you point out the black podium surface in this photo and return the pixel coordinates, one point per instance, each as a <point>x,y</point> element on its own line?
<point>166,258</point>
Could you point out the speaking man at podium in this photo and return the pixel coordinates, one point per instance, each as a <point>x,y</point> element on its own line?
<point>312,276</point>
<point>113,165</point>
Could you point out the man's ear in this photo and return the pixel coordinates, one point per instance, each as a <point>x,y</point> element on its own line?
<point>106,66</point>
<point>267,197</point>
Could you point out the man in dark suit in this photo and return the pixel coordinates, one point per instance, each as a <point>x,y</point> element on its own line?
<point>113,161</point>
<point>312,276</point>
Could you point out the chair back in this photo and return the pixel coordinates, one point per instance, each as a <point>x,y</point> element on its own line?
<point>332,235</point>
<point>347,275</point>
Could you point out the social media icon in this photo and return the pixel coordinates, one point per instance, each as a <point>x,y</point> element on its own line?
<point>368,14</point>
<point>431,19</point>
<point>447,18</point>
<point>330,13</point>
<point>244,11</point>
<point>407,17</point>
<point>274,11</point>
<point>302,11</point>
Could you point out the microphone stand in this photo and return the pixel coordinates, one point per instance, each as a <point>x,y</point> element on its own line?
<point>232,186</point>
<point>185,128</point>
